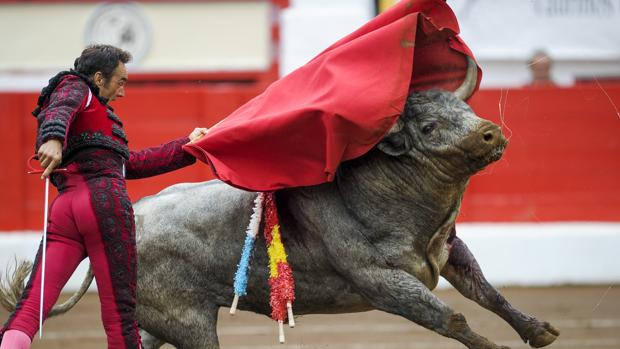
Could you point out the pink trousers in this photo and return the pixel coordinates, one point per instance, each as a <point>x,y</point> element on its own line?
<point>92,217</point>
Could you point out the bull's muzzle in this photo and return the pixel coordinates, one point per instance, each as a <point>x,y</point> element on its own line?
<point>486,144</point>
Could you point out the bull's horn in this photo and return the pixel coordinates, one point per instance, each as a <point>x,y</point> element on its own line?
<point>469,84</point>
<point>398,125</point>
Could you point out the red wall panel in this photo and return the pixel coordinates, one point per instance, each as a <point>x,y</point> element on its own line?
<point>11,174</point>
<point>562,163</point>
<point>563,160</point>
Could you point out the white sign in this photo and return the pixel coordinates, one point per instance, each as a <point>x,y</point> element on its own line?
<point>567,29</point>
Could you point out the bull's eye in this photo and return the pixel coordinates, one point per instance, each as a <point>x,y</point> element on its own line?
<point>428,128</point>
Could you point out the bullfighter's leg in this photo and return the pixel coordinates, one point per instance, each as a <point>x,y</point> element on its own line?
<point>63,257</point>
<point>105,218</point>
<point>64,252</point>
<point>464,273</point>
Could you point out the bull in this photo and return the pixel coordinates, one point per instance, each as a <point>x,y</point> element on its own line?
<point>377,237</point>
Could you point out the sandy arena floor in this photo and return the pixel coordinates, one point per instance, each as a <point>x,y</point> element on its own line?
<point>588,317</point>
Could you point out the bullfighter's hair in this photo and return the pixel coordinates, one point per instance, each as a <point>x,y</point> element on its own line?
<point>101,58</point>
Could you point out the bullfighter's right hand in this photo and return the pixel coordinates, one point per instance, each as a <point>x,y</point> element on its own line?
<point>197,134</point>
<point>50,156</point>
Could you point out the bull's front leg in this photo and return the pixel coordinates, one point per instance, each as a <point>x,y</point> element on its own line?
<point>464,273</point>
<point>398,292</point>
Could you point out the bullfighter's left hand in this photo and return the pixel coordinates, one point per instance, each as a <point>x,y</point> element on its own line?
<point>197,133</point>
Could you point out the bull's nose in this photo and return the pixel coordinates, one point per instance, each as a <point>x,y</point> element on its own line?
<point>487,139</point>
<point>488,136</point>
<point>492,135</point>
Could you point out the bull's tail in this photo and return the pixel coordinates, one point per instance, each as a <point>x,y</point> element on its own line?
<point>12,289</point>
<point>60,309</point>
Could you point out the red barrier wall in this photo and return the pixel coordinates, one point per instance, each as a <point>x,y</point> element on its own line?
<point>563,160</point>
<point>562,163</point>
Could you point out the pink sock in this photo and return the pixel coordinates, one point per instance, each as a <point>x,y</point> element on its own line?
<point>14,339</point>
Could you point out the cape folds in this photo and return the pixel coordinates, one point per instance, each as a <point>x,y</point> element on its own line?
<point>340,104</point>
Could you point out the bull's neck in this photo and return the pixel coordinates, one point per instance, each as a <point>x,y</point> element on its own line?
<point>379,186</point>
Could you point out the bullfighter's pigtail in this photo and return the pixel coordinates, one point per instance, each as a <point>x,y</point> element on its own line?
<point>241,276</point>
<point>280,275</point>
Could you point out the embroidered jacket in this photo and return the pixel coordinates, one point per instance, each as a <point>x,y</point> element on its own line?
<point>70,111</point>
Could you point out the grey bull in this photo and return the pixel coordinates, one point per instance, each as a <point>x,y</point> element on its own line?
<point>378,237</point>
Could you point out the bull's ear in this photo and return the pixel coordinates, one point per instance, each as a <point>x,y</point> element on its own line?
<point>397,142</point>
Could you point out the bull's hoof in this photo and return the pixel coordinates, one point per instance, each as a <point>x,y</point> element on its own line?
<point>543,335</point>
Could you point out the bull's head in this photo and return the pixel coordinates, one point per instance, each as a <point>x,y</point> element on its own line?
<point>439,129</point>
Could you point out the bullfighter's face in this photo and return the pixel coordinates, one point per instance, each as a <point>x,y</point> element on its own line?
<point>114,87</point>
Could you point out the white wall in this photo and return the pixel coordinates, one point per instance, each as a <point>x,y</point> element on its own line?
<point>310,26</point>
<point>542,254</point>
<point>532,254</point>
<point>16,247</point>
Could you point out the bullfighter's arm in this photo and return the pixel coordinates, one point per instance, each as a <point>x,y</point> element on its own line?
<point>396,291</point>
<point>464,273</point>
<point>157,160</point>
<point>67,100</point>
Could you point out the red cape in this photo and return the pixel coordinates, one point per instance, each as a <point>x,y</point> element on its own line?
<point>340,104</point>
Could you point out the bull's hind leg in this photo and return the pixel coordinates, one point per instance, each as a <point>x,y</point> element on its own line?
<point>184,326</point>
<point>464,273</point>
<point>197,327</point>
<point>149,341</point>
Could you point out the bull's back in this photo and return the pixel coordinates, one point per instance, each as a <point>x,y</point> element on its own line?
<point>184,234</point>
<point>187,207</point>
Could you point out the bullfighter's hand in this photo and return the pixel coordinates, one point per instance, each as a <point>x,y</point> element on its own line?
<point>197,133</point>
<point>50,156</point>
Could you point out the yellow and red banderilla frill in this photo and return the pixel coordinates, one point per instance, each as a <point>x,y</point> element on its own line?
<point>281,282</point>
<point>280,274</point>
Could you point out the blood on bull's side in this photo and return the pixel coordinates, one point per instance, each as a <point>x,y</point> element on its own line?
<point>377,237</point>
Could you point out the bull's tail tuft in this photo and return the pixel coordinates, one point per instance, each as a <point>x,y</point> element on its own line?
<point>12,288</point>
